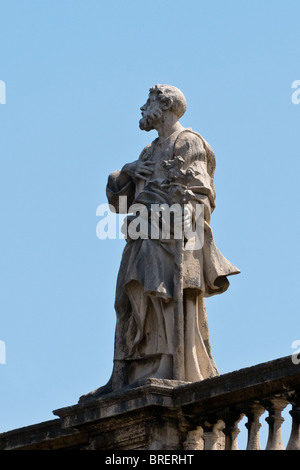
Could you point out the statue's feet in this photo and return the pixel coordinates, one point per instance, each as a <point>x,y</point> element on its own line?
<point>95,394</point>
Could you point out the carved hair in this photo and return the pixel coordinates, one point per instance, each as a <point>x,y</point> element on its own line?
<point>172,97</point>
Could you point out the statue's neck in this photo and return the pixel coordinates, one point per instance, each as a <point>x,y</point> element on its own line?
<point>167,127</point>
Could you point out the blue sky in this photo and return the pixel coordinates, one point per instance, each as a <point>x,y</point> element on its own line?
<point>76,74</point>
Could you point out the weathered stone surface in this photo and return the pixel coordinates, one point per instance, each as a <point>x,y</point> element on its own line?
<point>48,435</point>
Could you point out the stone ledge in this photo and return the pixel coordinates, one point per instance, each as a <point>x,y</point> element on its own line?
<point>47,435</point>
<point>155,414</point>
<point>151,392</point>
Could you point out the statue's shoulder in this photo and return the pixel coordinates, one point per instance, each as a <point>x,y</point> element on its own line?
<point>189,137</point>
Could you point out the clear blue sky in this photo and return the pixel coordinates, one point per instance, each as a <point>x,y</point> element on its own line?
<point>76,73</point>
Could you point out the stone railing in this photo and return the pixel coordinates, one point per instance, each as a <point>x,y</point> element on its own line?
<point>160,415</point>
<point>223,433</point>
<point>217,406</point>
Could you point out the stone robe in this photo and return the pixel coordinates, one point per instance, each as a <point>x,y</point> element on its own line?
<point>144,339</point>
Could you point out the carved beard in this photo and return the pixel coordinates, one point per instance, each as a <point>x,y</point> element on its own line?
<point>147,122</point>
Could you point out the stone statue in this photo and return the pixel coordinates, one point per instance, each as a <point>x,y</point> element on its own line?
<point>161,329</point>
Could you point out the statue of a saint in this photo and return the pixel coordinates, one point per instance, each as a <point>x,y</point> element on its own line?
<point>161,329</point>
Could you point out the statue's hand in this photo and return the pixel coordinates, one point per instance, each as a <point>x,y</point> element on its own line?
<point>139,169</point>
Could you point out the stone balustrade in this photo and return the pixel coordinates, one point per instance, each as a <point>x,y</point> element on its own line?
<point>248,393</point>
<point>169,415</point>
<point>221,430</point>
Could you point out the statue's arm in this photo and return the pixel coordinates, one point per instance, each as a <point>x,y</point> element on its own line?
<point>119,185</point>
<point>190,147</point>
<point>122,182</point>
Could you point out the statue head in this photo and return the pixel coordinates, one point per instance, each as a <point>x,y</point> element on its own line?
<point>162,99</point>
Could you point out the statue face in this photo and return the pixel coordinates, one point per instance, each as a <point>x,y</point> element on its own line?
<point>151,112</point>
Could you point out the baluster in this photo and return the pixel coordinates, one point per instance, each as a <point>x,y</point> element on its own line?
<point>231,429</point>
<point>253,413</point>
<point>294,440</point>
<point>275,406</point>
<point>211,434</point>
<point>194,440</point>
